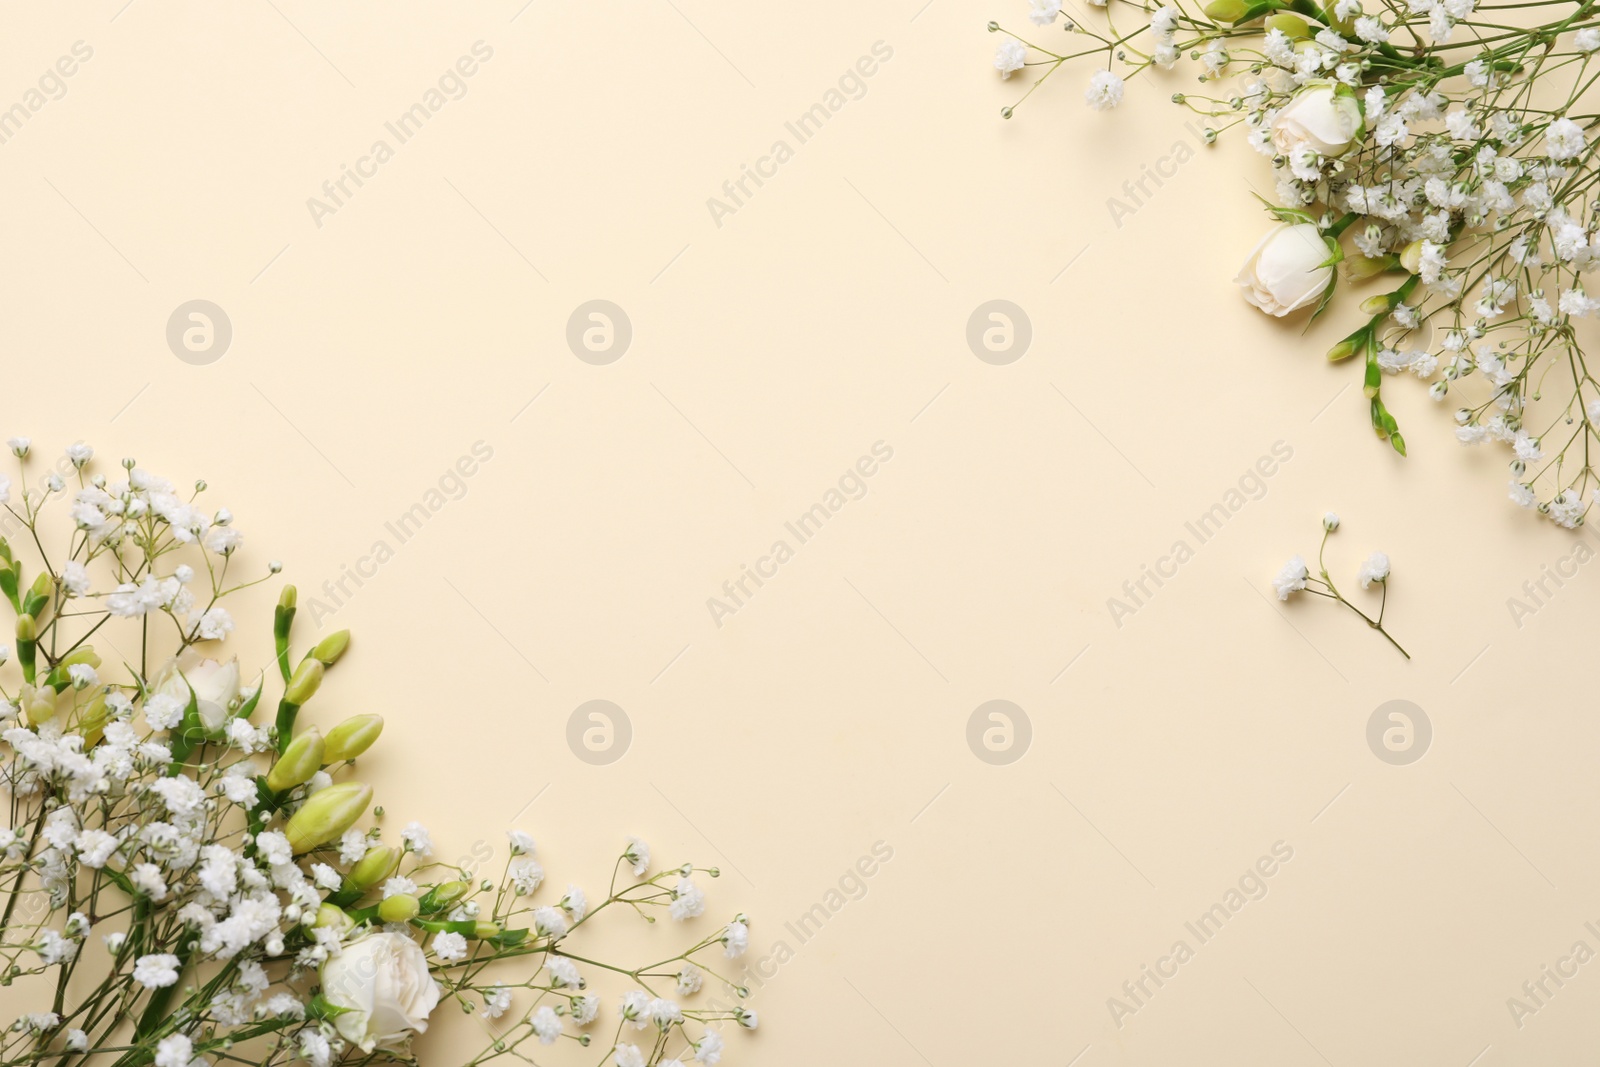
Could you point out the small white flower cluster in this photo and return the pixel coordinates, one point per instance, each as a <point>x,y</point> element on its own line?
<point>1295,577</point>
<point>155,814</point>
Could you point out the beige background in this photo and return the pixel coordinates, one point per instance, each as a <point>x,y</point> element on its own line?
<point>429,313</point>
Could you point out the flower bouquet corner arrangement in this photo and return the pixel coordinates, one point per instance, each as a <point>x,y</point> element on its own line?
<point>182,885</point>
<point>1441,152</point>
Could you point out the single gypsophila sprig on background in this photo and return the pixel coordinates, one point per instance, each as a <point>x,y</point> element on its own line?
<point>1295,577</point>
<point>1446,143</point>
<point>185,887</point>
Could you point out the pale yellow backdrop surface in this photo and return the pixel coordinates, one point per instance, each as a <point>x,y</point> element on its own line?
<point>379,338</point>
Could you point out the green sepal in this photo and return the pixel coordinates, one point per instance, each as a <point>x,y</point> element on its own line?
<point>321,1008</point>
<point>190,733</point>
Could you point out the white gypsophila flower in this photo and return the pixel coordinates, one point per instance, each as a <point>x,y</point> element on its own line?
<point>638,853</point>
<point>1374,569</point>
<point>628,1056</point>
<point>563,972</point>
<point>708,1050</point>
<point>1010,57</point>
<point>521,843</point>
<point>415,836</point>
<point>1104,92</point>
<point>550,922</point>
<point>735,939</point>
<point>496,1002</point>
<point>1043,12</point>
<point>450,946</point>
<point>575,903</point>
<point>1291,578</point>
<point>1587,39</point>
<point>213,625</point>
<point>690,980</point>
<point>156,971</point>
<point>526,875</point>
<point>1564,139</point>
<point>399,886</point>
<point>688,900</point>
<point>75,576</point>
<point>546,1024</point>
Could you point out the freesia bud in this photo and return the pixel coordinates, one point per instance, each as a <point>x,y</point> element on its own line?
<point>299,762</point>
<point>1227,11</point>
<point>330,648</point>
<point>1360,268</point>
<point>27,629</point>
<point>447,893</point>
<point>402,907</point>
<point>376,866</point>
<point>485,930</point>
<point>1411,257</point>
<point>1376,305</point>
<point>327,814</point>
<point>38,704</point>
<point>1290,25</point>
<point>332,917</point>
<point>305,683</point>
<point>287,598</point>
<point>352,737</point>
<point>82,654</point>
<point>1351,345</point>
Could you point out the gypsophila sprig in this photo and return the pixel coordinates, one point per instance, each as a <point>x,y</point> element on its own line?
<point>183,886</point>
<point>1445,144</point>
<point>1295,577</point>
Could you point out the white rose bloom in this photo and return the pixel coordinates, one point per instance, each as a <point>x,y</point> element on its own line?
<point>383,980</point>
<point>216,685</point>
<point>1287,270</point>
<point>1318,118</point>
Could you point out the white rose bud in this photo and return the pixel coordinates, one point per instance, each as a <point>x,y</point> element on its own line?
<point>1320,118</point>
<point>383,981</point>
<point>1287,270</point>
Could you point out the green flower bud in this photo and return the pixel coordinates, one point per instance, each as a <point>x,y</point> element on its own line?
<point>288,597</point>
<point>352,737</point>
<point>327,815</point>
<point>299,762</point>
<point>442,896</point>
<point>484,931</point>
<point>402,907</point>
<point>38,704</point>
<point>1350,346</point>
<point>376,866</point>
<point>1411,257</point>
<point>1291,25</point>
<point>1227,11</point>
<point>330,648</point>
<point>303,686</point>
<point>27,629</point>
<point>331,917</point>
<point>82,654</point>
<point>1360,268</point>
